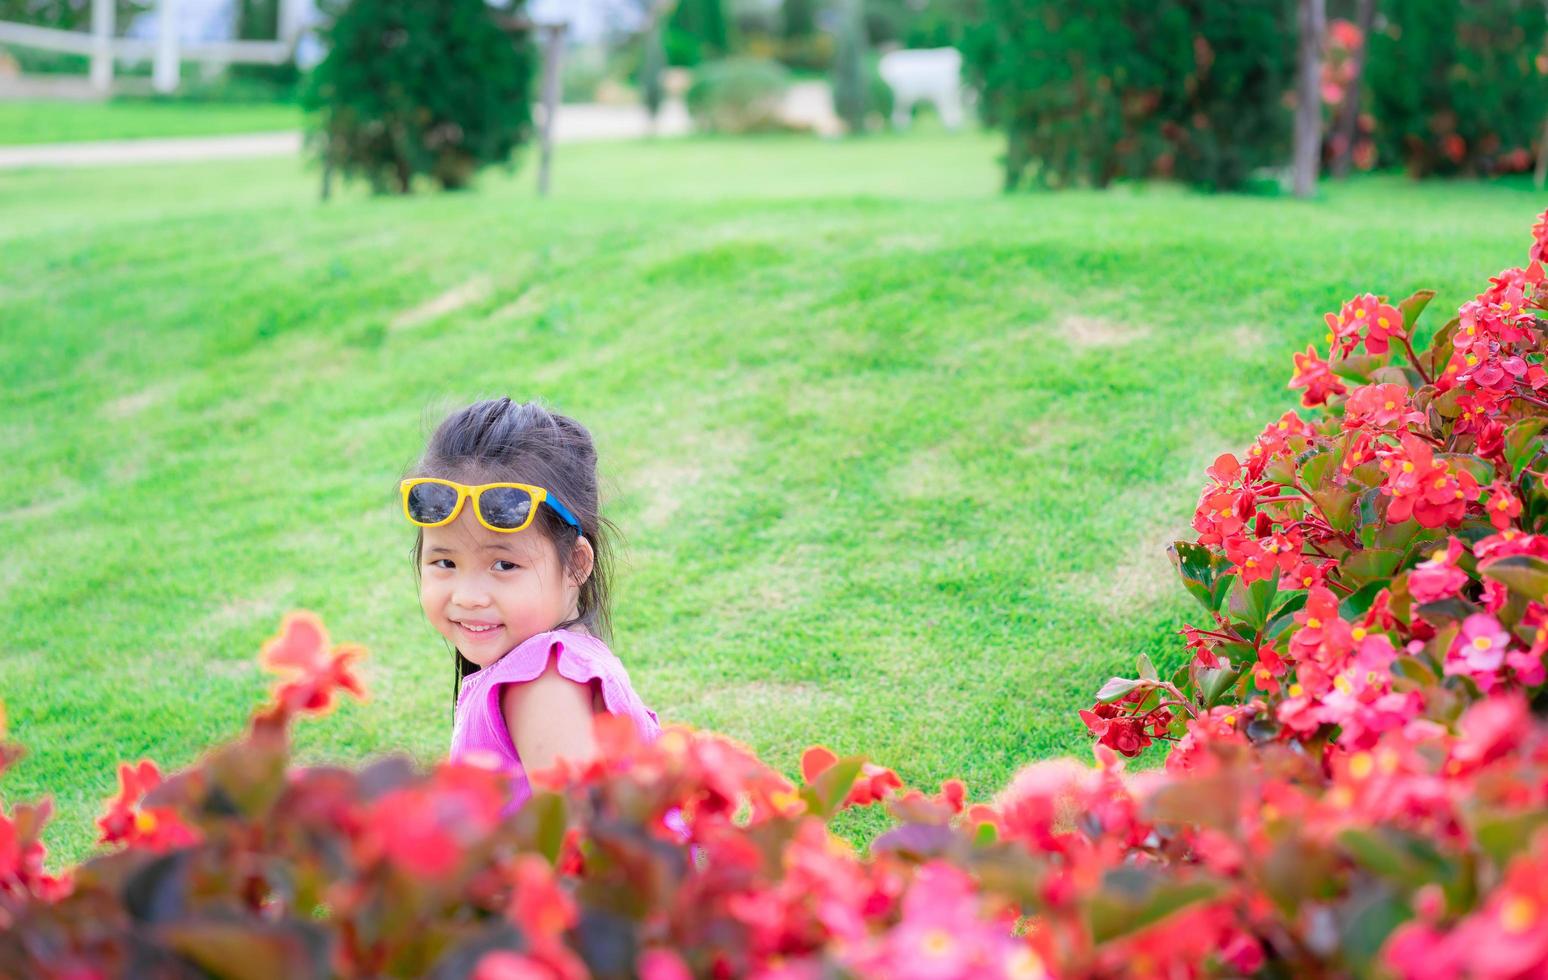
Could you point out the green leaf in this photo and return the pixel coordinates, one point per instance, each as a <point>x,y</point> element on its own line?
<point>1400,856</point>
<point>1130,899</point>
<point>1201,570</point>
<point>1358,603</point>
<point>1482,469</point>
<point>1147,670</point>
<point>548,814</point>
<point>1367,921</point>
<point>1503,837</point>
<point>1413,306</point>
<point>1372,563</point>
<point>1448,403</point>
<point>1522,574</point>
<point>1441,347</point>
<point>828,790</point>
<point>1281,470</point>
<point>1452,608</point>
<point>1522,443</point>
<point>1257,599</point>
<point>1397,536</point>
<point>1216,682</point>
<point>1337,506</point>
<point>1416,670</point>
<point>1117,687</point>
<point>1314,468</point>
<point>1358,367</point>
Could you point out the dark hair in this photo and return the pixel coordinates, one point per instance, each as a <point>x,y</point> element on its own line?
<point>501,441</point>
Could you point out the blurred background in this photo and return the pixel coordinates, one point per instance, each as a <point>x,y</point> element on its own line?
<point>905,330</point>
<point>1207,91</point>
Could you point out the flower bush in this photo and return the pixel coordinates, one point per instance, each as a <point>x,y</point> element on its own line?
<point>1357,783</point>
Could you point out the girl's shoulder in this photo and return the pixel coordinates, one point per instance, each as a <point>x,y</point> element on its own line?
<point>530,658</point>
<point>580,657</point>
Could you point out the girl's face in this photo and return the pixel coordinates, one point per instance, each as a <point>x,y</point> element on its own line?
<point>487,591</point>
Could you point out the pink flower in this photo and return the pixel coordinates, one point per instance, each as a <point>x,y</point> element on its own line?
<point>1438,577</point>
<point>1479,651</point>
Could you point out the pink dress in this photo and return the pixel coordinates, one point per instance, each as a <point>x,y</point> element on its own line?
<point>479,726</point>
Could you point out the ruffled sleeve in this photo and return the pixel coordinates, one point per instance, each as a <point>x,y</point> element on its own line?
<point>580,658</point>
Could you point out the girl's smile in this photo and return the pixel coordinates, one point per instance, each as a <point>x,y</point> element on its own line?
<point>487,591</point>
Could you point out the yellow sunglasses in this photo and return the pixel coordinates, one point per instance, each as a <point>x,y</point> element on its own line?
<point>504,507</point>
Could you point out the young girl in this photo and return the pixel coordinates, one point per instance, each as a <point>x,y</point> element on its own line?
<point>513,558</point>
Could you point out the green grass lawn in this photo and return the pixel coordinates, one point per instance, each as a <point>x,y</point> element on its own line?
<point>896,456</point>
<point>47,121</point>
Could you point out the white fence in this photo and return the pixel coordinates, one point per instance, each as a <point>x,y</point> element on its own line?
<point>166,51</point>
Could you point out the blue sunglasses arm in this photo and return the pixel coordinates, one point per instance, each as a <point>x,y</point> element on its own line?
<point>563,512</point>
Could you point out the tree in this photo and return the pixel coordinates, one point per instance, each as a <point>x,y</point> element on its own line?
<point>1308,96</point>
<point>697,32</point>
<point>432,87</point>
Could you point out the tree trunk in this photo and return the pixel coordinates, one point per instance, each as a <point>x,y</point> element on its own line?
<point>1348,128</point>
<point>1308,103</point>
<point>553,51</point>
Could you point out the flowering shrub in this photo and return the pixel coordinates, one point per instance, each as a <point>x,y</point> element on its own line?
<point>1357,782</point>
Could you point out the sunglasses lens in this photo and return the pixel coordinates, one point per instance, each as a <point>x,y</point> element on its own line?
<point>505,507</point>
<point>431,503</point>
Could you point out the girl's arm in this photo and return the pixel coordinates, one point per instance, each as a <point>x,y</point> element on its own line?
<point>549,717</point>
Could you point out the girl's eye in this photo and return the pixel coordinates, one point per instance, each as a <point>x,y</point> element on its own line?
<point>442,563</point>
<point>508,566</point>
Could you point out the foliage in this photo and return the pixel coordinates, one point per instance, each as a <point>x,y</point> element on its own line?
<point>1459,87</point>
<point>697,32</point>
<point>1134,89</point>
<point>1381,566</point>
<point>737,95</point>
<point>430,87</point>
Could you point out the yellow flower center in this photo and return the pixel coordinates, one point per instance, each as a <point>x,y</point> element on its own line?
<point>1482,643</point>
<point>1314,623</point>
<point>1361,764</point>
<point>1518,913</point>
<point>1358,633</point>
<point>937,942</point>
<point>1407,466</point>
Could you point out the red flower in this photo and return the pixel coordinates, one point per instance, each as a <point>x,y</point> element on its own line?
<point>1504,506</point>
<point>1431,492</point>
<point>315,671</point>
<point>1379,406</point>
<point>874,784</point>
<point>1368,316</point>
<point>425,830</point>
<point>1316,376</point>
<point>152,828</point>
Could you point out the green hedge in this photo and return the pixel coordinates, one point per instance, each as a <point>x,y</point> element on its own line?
<point>421,87</point>
<point>1088,94</point>
<point>1459,86</point>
